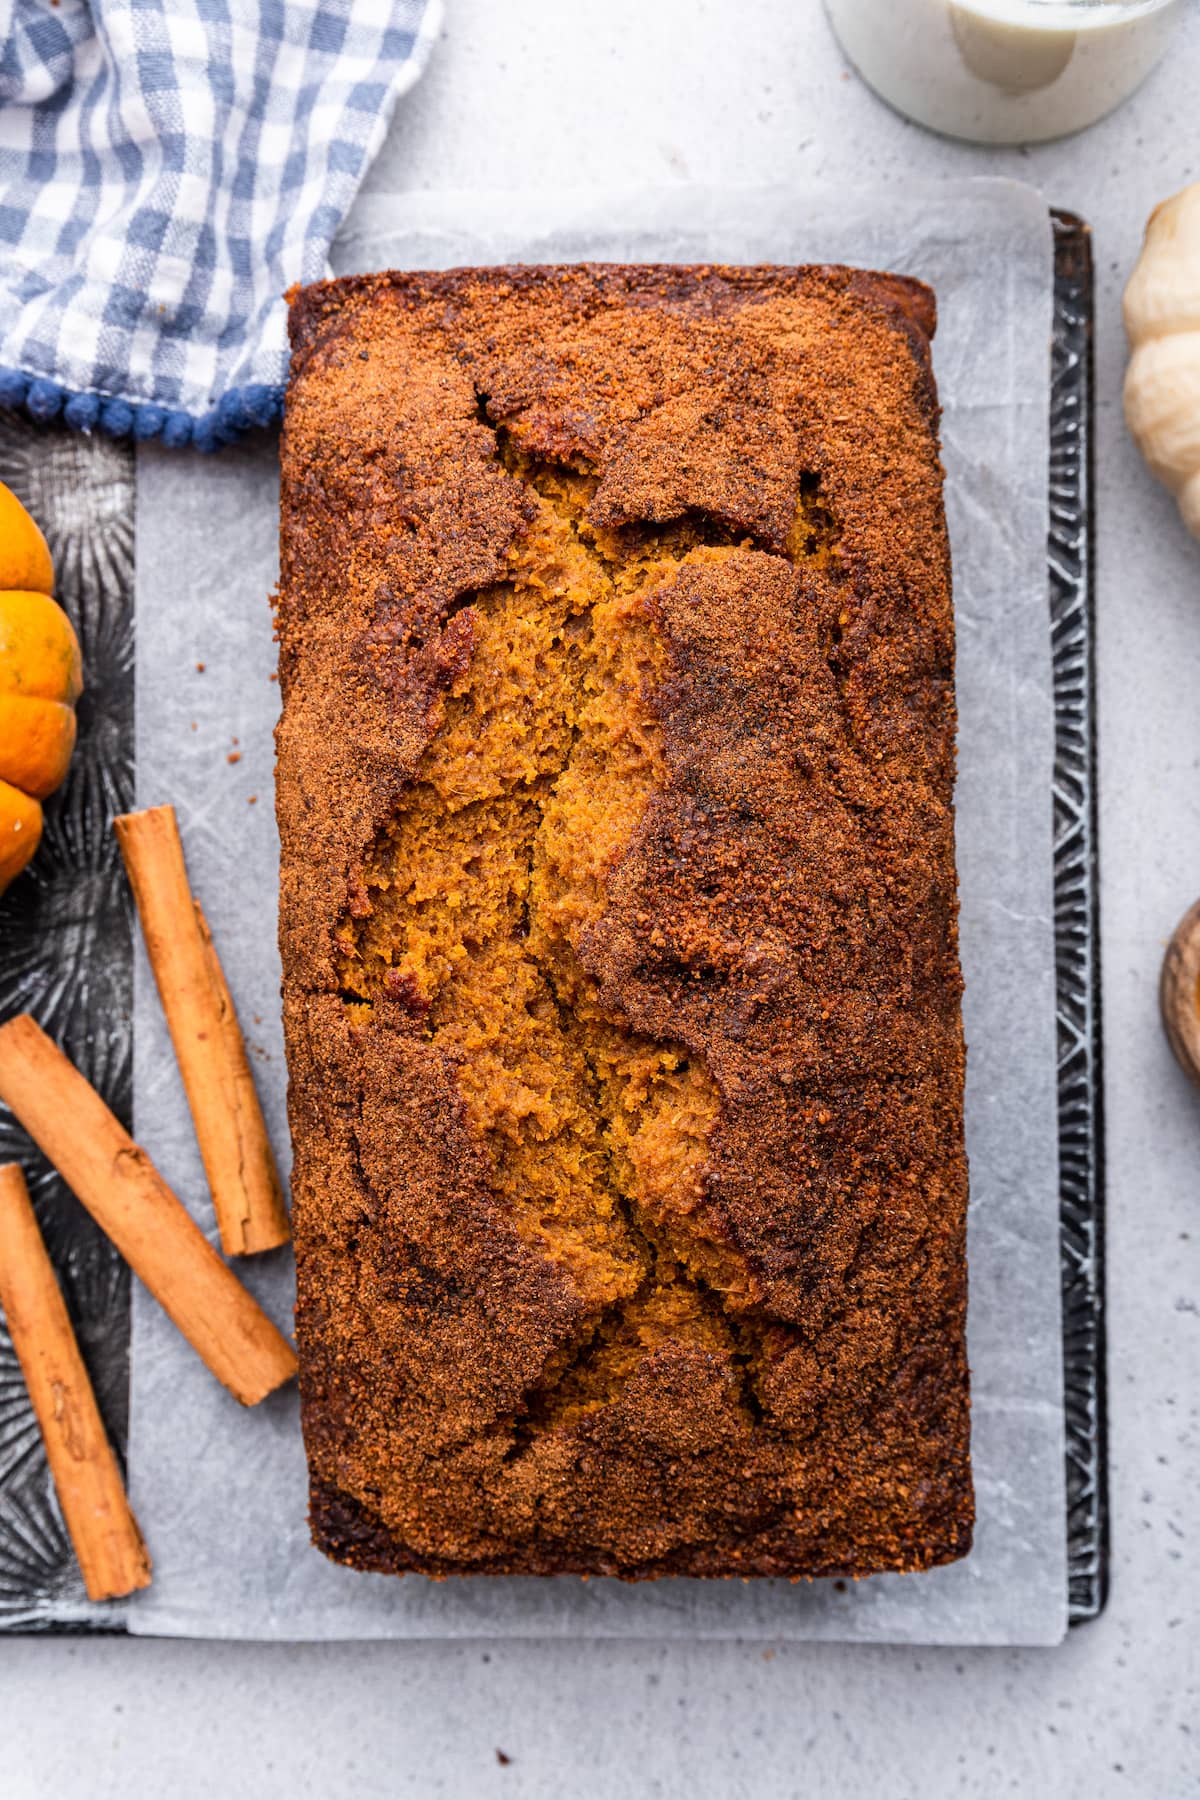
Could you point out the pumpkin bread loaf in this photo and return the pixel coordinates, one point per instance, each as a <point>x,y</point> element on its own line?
<point>618,920</point>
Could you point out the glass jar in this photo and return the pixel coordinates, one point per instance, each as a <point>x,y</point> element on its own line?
<point>1004,71</point>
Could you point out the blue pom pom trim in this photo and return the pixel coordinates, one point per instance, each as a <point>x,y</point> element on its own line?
<point>250,408</point>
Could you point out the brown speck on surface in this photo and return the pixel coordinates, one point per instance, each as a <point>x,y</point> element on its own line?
<point>200,667</point>
<point>503,1759</point>
<point>252,800</point>
<point>618,918</point>
<point>274,675</point>
<point>235,756</point>
<point>195,727</point>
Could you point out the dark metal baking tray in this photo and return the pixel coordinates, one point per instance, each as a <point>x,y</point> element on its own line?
<point>66,955</point>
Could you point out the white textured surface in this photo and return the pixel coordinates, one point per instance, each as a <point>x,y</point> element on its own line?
<point>688,90</point>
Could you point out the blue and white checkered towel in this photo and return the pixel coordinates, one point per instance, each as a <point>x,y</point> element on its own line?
<point>167,169</point>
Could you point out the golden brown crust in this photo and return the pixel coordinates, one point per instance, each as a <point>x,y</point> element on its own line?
<point>783,915</point>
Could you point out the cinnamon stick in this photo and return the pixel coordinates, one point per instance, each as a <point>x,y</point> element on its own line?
<point>244,1181</point>
<point>130,1201</point>
<point>108,1544</point>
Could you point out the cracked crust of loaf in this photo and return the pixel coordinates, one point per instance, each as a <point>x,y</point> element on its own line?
<point>618,923</point>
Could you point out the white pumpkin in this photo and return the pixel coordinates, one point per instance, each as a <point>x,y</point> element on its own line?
<point>1162,318</point>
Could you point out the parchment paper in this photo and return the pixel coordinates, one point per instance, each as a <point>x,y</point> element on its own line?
<point>220,1491</point>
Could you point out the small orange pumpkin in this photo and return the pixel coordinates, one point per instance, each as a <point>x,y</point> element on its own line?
<point>40,681</point>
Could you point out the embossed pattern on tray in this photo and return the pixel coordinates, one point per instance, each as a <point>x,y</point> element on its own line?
<point>1076,893</point>
<point>66,956</point>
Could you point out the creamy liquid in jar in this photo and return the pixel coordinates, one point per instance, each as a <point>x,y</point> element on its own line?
<point>1004,71</point>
